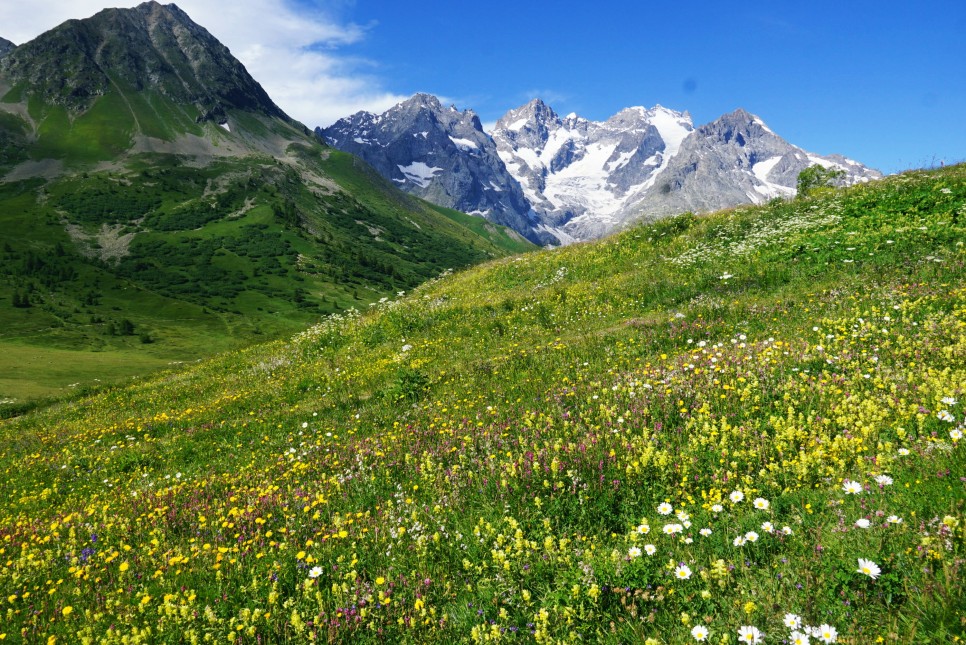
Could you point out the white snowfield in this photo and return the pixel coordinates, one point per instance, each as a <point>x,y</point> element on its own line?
<point>419,173</point>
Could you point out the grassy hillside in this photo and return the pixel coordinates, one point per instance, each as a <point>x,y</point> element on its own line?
<point>708,423</point>
<point>157,207</point>
<point>162,260</point>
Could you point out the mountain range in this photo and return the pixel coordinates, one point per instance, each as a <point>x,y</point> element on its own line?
<point>579,179</point>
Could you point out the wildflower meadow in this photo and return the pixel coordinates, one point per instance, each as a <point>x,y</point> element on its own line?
<point>745,427</point>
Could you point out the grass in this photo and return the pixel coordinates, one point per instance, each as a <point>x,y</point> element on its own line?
<point>762,397</point>
<point>204,259</point>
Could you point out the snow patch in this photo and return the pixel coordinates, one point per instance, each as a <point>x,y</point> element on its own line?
<point>762,124</point>
<point>762,168</point>
<point>225,126</point>
<point>419,173</point>
<point>464,144</point>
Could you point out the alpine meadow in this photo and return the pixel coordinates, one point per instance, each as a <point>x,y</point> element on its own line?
<point>741,427</point>
<point>256,389</point>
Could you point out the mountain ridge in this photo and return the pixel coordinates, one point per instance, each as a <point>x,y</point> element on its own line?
<point>440,154</point>
<point>583,179</point>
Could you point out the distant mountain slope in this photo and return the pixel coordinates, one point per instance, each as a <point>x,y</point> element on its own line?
<point>156,205</point>
<point>582,179</point>
<point>5,47</point>
<point>733,160</point>
<point>151,48</point>
<point>579,174</point>
<point>439,154</point>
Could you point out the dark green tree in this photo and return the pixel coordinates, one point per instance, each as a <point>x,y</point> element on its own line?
<point>817,176</point>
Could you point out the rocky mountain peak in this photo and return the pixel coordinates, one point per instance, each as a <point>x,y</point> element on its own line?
<point>440,154</point>
<point>739,126</point>
<point>581,179</point>
<point>152,47</point>
<point>420,100</point>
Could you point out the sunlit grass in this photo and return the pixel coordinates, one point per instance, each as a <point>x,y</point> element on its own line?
<point>750,421</point>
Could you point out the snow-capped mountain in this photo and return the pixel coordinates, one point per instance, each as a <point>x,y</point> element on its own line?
<point>733,160</point>
<point>442,155</point>
<point>559,179</point>
<point>581,175</point>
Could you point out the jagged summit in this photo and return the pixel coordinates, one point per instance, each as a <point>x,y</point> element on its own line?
<point>581,179</point>
<point>732,160</point>
<point>441,154</point>
<point>151,47</point>
<point>578,174</point>
<point>5,47</point>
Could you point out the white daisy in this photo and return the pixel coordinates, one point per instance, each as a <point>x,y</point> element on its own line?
<point>869,568</point>
<point>851,487</point>
<point>792,621</point>
<point>749,634</point>
<point>827,633</point>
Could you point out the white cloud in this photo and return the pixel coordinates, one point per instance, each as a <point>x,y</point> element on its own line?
<point>294,54</point>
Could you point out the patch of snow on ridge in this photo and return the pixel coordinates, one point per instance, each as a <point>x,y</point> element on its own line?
<point>674,130</point>
<point>767,188</point>
<point>419,173</point>
<point>465,144</point>
<point>225,126</point>
<point>762,168</point>
<point>762,124</point>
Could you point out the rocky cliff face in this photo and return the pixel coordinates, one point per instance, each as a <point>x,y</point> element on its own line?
<point>558,179</point>
<point>579,175</point>
<point>5,47</point>
<point>151,47</point>
<point>442,155</point>
<point>733,160</point>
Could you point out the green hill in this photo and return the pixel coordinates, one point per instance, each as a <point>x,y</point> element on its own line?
<point>157,207</point>
<point>770,399</point>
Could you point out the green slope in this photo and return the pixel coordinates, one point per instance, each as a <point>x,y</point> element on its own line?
<point>156,206</point>
<point>195,260</point>
<point>487,458</point>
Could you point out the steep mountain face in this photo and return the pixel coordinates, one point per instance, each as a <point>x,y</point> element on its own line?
<point>580,175</point>
<point>580,179</point>
<point>152,47</point>
<point>5,47</point>
<point>733,160</point>
<point>442,155</point>
<point>132,81</point>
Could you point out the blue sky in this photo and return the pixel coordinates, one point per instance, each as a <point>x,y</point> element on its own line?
<point>881,82</point>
